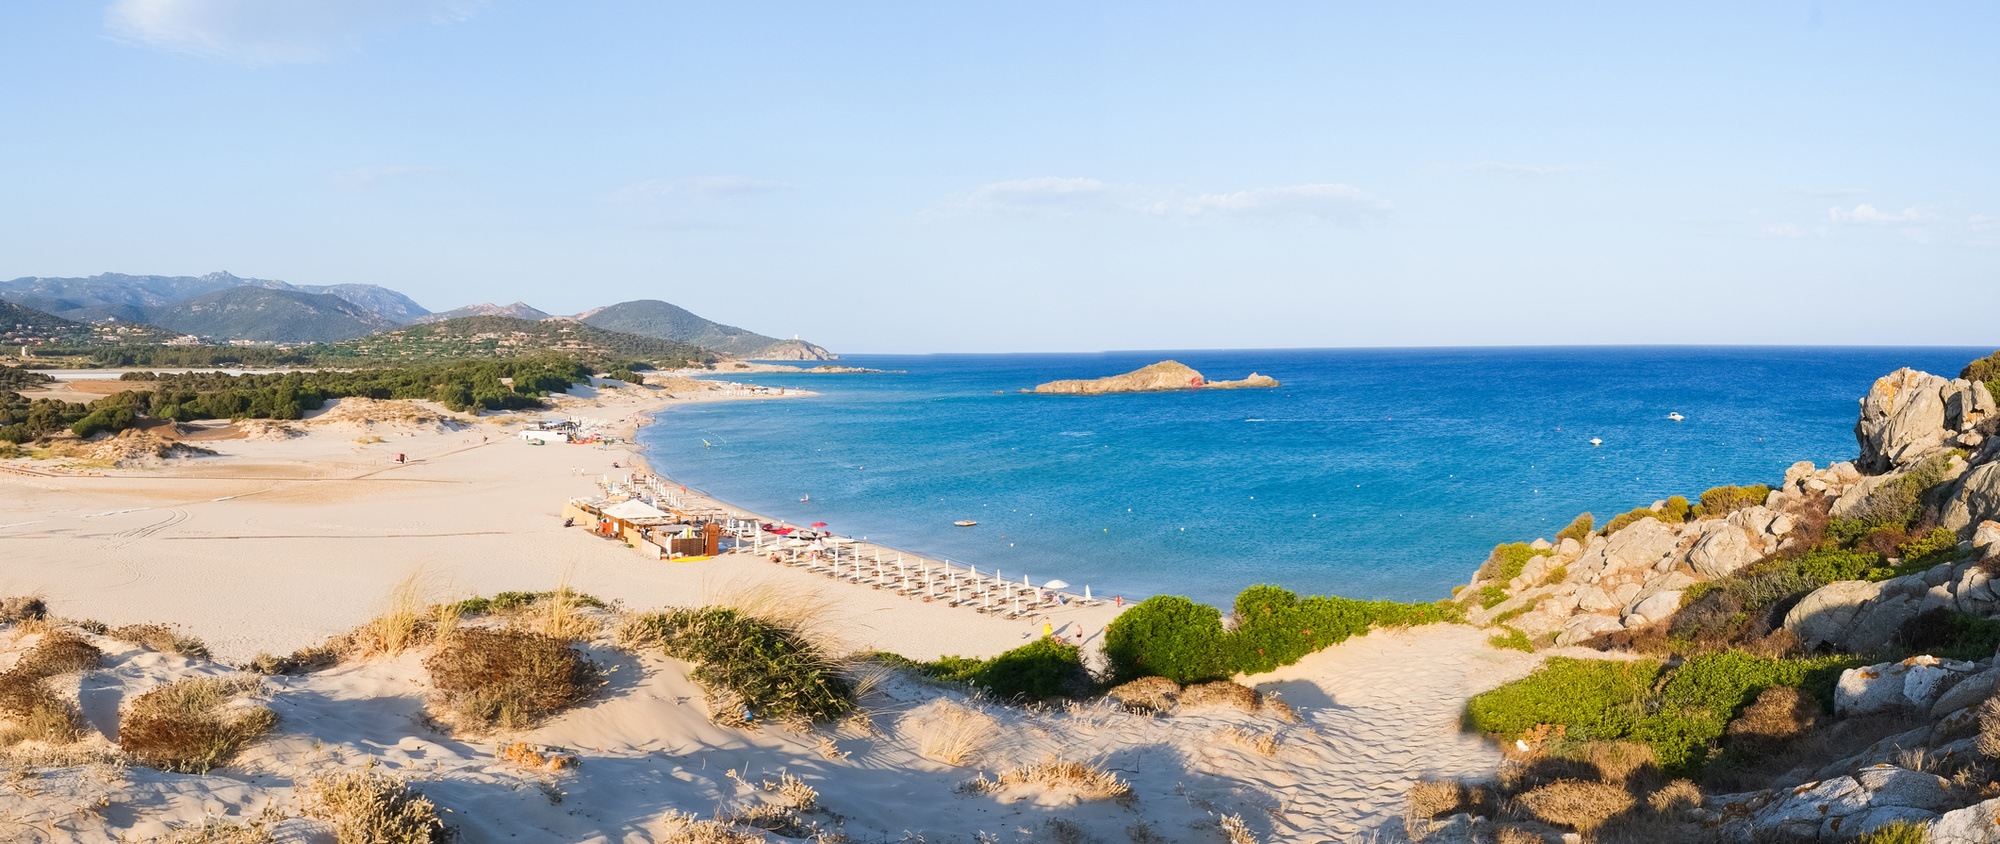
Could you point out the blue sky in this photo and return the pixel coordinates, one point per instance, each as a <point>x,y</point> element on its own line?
<point>909,177</point>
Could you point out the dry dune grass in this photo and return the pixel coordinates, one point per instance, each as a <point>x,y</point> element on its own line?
<point>1581,805</point>
<point>365,807</point>
<point>682,828</point>
<point>1236,831</point>
<point>1053,773</point>
<point>1263,744</point>
<point>32,709</point>
<point>507,679</point>
<point>398,628</point>
<point>159,637</point>
<point>19,608</point>
<point>1147,695</point>
<point>949,732</point>
<point>560,615</point>
<point>1223,694</point>
<point>192,725</point>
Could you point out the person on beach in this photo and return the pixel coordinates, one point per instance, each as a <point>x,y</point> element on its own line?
<point>1047,629</point>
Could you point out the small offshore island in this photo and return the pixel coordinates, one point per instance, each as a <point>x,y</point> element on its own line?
<point>1165,376</point>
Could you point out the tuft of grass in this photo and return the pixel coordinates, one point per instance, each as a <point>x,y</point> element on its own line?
<point>34,711</point>
<point>685,829</point>
<point>1221,694</point>
<point>301,661</point>
<point>366,807</point>
<point>190,725</point>
<point>1581,805</point>
<point>1263,744</point>
<point>1508,560</point>
<point>159,637</point>
<point>399,627</point>
<point>1153,695</point>
<point>1512,639</point>
<point>1578,530</point>
<point>507,679</point>
<point>1900,832</point>
<point>949,732</point>
<point>1053,773</point>
<point>1235,830</point>
<point>767,667</point>
<point>19,608</point>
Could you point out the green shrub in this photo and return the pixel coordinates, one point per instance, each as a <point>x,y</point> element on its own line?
<point>1578,530</point>
<point>505,601</point>
<point>1040,670</point>
<point>1723,500</point>
<point>1275,627</point>
<point>773,668</point>
<point>1592,698</point>
<point>508,678</point>
<point>1507,561</point>
<point>1950,634</point>
<point>1682,722</point>
<point>1900,832</point>
<point>1985,369</point>
<point>1940,545</point>
<point>1512,640</point>
<point>1620,521</point>
<point>1492,595</point>
<point>1166,636</point>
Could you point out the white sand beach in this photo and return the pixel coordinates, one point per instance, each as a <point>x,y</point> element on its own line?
<point>293,533</point>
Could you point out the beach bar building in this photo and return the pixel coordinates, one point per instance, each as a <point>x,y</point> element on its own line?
<point>642,525</point>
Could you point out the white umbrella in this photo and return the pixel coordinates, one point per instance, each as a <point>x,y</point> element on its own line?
<point>1086,591</point>
<point>1056,584</point>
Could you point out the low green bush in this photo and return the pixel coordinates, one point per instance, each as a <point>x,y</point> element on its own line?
<point>1040,670</point>
<point>1166,636</point>
<point>1950,634</point>
<point>1985,369</point>
<point>1578,530</point>
<point>1184,641</point>
<point>1723,500</point>
<point>1683,721</point>
<point>1512,639</point>
<point>775,670</point>
<point>1492,595</point>
<point>1591,698</point>
<point>1507,561</point>
<point>504,601</point>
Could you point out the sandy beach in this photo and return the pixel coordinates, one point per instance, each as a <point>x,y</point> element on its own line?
<point>295,532</point>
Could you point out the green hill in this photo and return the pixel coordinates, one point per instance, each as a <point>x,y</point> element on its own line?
<point>508,337</point>
<point>141,298</point>
<point>666,321</point>
<point>24,326</point>
<point>269,315</point>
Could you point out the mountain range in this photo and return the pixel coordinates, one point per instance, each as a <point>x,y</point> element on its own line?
<point>222,307</point>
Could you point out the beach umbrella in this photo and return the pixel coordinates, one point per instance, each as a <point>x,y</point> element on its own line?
<point>819,524</point>
<point>1056,584</point>
<point>1086,591</point>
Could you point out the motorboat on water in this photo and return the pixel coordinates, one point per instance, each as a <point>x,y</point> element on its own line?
<point>965,523</point>
<point>1595,441</point>
<point>1676,416</point>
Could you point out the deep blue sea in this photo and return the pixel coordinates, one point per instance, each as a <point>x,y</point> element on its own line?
<point>1372,473</point>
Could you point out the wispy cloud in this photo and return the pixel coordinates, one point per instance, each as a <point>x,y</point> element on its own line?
<point>1866,214</point>
<point>265,32</point>
<point>356,178</point>
<point>701,187</point>
<point>1064,196</point>
<point>1526,171</point>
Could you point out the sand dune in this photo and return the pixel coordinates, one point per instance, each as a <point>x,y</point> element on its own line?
<point>282,542</point>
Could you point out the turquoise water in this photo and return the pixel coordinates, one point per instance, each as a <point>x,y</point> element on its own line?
<point>1370,473</point>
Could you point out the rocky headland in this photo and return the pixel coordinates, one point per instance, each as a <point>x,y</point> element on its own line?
<point>1813,661</point>
<point>1164,376</point>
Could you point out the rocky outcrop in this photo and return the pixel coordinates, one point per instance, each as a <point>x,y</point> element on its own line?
<point>1902,419</point>
<point>1160,377</point>
<point>1912,684</point>
<point>1977,499</point>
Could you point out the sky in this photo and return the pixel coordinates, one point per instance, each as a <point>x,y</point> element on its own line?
<point>1025,176</point>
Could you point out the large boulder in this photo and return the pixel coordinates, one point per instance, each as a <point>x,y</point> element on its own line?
<point>1723,547</point>
<point>1655,607</point>
<point>1822,617</point>
<point>1639,545</point>
<point>1971,691</point>
<point>1902,419</point>
<point>1914,683</point>
<point>1977,498</point>
<point>1975,824</point>
<point>1584,627</point>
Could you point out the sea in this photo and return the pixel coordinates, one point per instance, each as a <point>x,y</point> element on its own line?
<point>1371,473</point>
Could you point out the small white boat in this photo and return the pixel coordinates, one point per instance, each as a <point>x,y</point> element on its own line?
<point>965,523</point>
<point>1676,416</point>
<point>1595,441</point>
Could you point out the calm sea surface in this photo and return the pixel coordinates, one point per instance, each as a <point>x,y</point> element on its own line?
<point>1370,473</point>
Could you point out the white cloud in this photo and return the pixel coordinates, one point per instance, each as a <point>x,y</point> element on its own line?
<point>264,32</point>
<point>1526,171</point>
<point>1064,196</point>
<point>366,177</point>
<point>1866,214</point>
<point>703,187</point>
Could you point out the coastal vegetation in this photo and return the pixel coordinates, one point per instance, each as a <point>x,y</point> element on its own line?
<point>507,679</point>
<point>1043,669</point>
<point>1184,641</point>
<point>193,725</point>
<point>753,667</point>
<point>462,386</point>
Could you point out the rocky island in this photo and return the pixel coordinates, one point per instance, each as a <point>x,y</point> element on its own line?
<point>1160,377</point>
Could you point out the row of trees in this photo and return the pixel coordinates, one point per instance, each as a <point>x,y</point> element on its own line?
<point>464,386</point>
